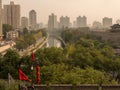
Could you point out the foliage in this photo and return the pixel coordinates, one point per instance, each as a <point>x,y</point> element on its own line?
<point>2,85</point>
<point>6,28</point>
<point>9,64</point>
<point>61,74</point>
<point>27,38</point>
<point>85,60</point>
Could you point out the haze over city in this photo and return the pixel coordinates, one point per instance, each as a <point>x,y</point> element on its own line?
<point>59,45</point>
<point>92,9</point>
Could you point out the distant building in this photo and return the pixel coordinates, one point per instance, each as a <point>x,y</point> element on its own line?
<point>3,21</point>
<point>32,19</point>
<point>107,22</point>
<point>24,22</point>
<point>12,15</point>
<point>52,22</point>
<point>64,22</point>
<point>115,28</point>
<point>1,34</point>
<point>118,21</point>
<point>39,26</point>
<point>96,25</point>
<point>81,21</point>
<point>74,24</point>
<point>12,34</point>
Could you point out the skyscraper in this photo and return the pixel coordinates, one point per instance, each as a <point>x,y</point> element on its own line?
<point>1,19</point>
<point>32,19</point>
<point>107,22</point>
<point>81,21</point>
<point>64,22</point>
<point>12,15</point>
<point>24,22</point>
<point>52,22</point>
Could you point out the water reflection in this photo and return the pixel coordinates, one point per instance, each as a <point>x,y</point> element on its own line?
<point>52,42</point>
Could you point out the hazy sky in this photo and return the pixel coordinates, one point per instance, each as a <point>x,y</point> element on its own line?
<point>93,9</point>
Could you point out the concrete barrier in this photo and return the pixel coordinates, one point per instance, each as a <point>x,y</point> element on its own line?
<point>66,87</point>
<point>40,87</point>
<point>110,87</point>
<point>76,87</point>
<point>61,87</point>
<point>87,87</point>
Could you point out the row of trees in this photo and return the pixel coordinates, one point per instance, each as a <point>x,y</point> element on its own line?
<point>28,38</point>
<point>54,69</point>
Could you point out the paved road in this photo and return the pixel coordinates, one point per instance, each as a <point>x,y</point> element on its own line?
<point>6,47</point>
<point>31,48</point>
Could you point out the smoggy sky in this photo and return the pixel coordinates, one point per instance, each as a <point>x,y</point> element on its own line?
<point>92,9</point>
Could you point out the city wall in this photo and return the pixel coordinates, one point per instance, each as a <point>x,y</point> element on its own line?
<point>76,87</point>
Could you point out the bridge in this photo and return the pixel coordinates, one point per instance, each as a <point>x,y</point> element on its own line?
<point>58,38</point>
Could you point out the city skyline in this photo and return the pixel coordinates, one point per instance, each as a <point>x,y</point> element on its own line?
<point>94,10</point>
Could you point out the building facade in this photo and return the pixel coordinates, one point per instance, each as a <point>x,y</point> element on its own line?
<point>12,35</point>
<point>81,21</point>
<point>107,22</point>
<point>52,22</point>
<point>1,34</point>
<point>64,22</point>
<point>97,25</point>
<point>32,20</point>
<point>24,22</point>
<point>12,15</point>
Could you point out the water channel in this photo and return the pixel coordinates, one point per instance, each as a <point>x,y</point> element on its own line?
<point>53,42</point>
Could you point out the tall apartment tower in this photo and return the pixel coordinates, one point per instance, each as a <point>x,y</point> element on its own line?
<point>52,22</point>
<point>1,20</point>
<point>64,22</point>
<point>12,15</point>
<point>32,19</point>
<point>24,22</point>
<point>107,22</point>
<point>81,21</point>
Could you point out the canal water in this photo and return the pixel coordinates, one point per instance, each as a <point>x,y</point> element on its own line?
<point>53,42</point>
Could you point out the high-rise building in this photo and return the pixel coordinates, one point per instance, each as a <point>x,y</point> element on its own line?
<point>52,22</point>
<point>64,22</point>
<point>12,15</point>
<point>107,22</point>
<point>24,22</point>
<point>1,34</point>
<point>32,19</point>
<point>97,25</point>
<point>3,21</point>
<point>81,21</point>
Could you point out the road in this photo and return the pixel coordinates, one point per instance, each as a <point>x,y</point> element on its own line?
<point>33,47</point>
<point>6,47</point>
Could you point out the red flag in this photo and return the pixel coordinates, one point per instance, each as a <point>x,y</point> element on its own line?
<point>37,74</point>
<point>33,57</point>
<point>22,76</point>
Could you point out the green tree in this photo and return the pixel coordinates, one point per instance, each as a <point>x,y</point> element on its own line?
<point>25,31</point>
<point>6,28</point>
<point>10,64</point>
